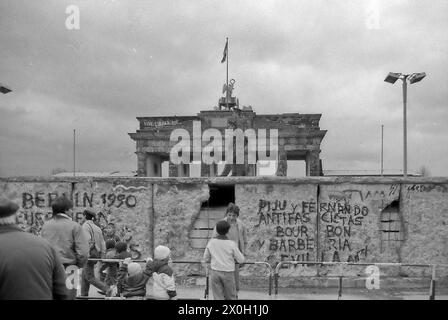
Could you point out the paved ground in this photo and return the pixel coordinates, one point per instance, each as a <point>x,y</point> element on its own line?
<point>197,292</point>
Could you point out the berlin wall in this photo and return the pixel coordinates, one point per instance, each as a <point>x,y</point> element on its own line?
<point>369,219</point>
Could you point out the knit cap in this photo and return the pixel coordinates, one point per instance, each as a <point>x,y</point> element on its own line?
<point>161,252</point>
<point>134,268</point>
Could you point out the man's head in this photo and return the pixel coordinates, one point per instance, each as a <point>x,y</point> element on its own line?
<point>89,215</point>
<point>222,227</point>
<point>232,212</point>
<point>110,229</point>
<point>8,211</point>
<point>121,247</point>
<point>62,205</point>
<point>110,244</point>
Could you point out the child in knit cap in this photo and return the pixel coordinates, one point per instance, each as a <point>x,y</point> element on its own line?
<point>164,286</point>
<point>132,279</point>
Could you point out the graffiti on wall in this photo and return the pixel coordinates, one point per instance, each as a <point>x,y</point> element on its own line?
<point>337,222</point>
<point>342,221</point>
<point>150,123</point>
<point>124,233</point>
<point>36,209</point>
<point>291,224</point>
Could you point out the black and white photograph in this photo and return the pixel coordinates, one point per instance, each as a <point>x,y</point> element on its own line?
<point>203,150</point>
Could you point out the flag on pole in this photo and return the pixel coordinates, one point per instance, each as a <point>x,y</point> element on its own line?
<point>224,55</point>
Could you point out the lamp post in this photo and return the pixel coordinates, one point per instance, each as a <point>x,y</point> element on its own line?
<point>392,77</point>
<point>4,89</point>
<point>382,144</point>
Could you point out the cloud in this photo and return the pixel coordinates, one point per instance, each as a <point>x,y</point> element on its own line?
<point>153,58</point>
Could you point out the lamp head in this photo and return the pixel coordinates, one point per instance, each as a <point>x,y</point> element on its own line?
<point>416,77</point>
<point>4,89</point>
<point>392,77</point>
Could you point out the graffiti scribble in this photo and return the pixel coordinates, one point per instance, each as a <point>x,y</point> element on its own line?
<point>132,188</point>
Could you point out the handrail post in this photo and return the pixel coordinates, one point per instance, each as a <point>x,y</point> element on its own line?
<point>276,276</point>
<point>432,287</point>
<point>270,273</point>
<point>340,288</point>
<point>276,283</point>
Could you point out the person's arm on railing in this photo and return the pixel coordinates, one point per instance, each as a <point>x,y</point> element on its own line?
<point>122,275</point>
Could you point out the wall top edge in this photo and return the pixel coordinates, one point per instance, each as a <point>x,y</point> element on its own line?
<point>236,180</point>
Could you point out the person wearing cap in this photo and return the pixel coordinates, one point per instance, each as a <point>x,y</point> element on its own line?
<point>66,236</point>
<point>237,233</point>
<point>222,253</point>
<point>164,286</point>
<point>97,247</point>
<point>30,268</point>
<point>132,279</point>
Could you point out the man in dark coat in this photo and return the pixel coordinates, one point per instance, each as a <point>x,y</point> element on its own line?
<point>30,268</point>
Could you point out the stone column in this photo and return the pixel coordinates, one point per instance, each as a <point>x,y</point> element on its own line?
<point>307,163</point>
<point>282,161</point>
<point>213,170</point>
<point>183,170</point>
<point>252,170</point>
<point>313,163</point>
<point>153,166</point>
<point>173,170</point>
<point>205,170</point>
<point>141,164</point>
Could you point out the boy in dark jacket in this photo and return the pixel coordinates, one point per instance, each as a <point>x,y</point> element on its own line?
<point>110,269</point>
<point>132,280</point>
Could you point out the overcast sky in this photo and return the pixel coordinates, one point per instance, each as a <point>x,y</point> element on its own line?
<point>154,58</point>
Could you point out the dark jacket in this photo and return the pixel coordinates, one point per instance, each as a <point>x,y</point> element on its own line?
<point>68,238</point>
<point>123,255</point>
<point>30,268</point>
<point>112,267</point>
<point>134,286</point>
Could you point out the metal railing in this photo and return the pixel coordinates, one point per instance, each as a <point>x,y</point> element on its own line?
<point>432,290</point>
<point>206,294</point>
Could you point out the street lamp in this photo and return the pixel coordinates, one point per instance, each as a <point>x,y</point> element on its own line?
<point>392,77</point>
<point>4,89</point>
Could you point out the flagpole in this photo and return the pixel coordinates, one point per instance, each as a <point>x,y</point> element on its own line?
<point>74,150</point>
<point>227,75</point>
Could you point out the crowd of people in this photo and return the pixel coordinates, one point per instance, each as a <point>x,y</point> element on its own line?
<point>33,267</point>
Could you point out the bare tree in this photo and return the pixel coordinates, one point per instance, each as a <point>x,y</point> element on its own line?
<point>57,170</point>
<point>424,171</point>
